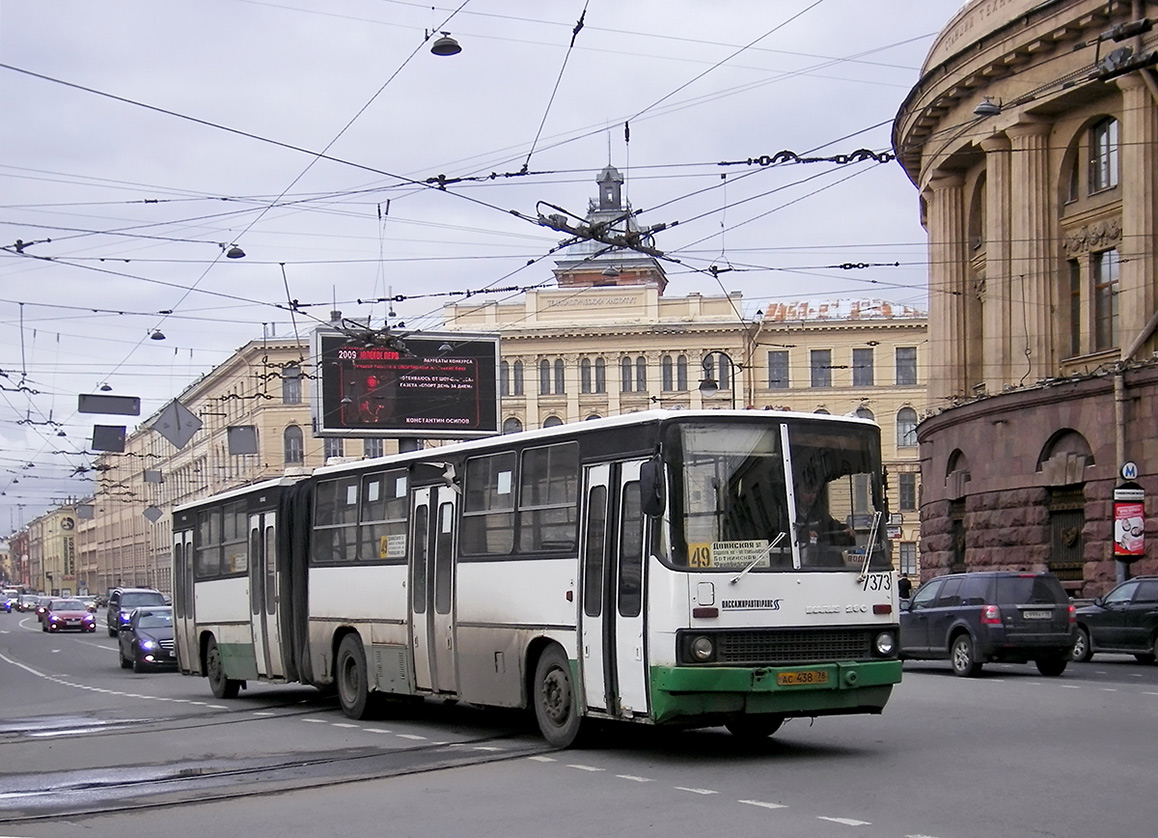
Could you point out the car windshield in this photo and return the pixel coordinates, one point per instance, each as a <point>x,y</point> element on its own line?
<point>69,605</point>
<point>136,598</point>
<point>738,502</point>
<point>154,621</point>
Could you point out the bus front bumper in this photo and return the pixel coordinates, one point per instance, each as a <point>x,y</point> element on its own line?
<point>687,692</point>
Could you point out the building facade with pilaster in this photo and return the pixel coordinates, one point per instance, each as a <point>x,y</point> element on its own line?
<point>1032,138</point>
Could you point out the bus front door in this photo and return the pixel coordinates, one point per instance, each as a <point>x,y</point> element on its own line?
<point>613,652</point>
<point>263,595</point>
<point>185,618</point>
<point>432,572</point>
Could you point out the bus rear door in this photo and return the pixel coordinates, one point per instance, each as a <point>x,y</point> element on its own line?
<point>263,594</point>
<point>613,655</point>
<point>184,626</point>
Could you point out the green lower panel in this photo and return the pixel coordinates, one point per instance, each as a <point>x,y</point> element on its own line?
<point>681,693</point>
<point>239,661</point>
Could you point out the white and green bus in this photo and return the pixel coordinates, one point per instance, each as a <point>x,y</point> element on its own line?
<point>687,568</point>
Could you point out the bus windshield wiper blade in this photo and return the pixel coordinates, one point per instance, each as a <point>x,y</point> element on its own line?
<point>756,561</point>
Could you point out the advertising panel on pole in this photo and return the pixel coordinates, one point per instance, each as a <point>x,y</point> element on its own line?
<point>1129,521</point>
<point>422,384</point>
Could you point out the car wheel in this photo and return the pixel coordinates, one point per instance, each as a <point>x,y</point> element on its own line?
<point>556,705</point>
<point>1083,651</point>
<point>350,674</point>
<point>125,662</point>
<point>221,686</point>
<point>112,631</point>
<point>1152,655</point>
<point>754,727</point>
<point>1052,665</point>
<point>139,665</point>
<point>964,657</point>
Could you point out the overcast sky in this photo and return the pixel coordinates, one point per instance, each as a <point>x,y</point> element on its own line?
<point>145,138</point>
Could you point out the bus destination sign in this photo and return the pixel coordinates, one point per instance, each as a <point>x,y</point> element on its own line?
<point>424,385</point>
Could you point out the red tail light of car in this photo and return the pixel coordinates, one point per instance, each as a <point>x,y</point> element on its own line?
<point>1073,614</point>
<point>990,615</point>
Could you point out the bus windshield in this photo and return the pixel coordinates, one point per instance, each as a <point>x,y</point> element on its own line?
<point>737,500</point>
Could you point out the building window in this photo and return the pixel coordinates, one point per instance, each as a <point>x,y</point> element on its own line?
<point>1105,299</point>
<point>600,375</point>
<point>291,385</point>
<point>373,448</point>
<point>667,369</point>
<point>560,380</point>
<point>778,369</point>
<point>641,374</point>
<point>295,451</point>
<point>863,412</point>
<point>625,375</point>
<point>504,379</point>
<point>723,375</point>
<point>1075,307</point>
<point>334,447</point>
<point>1104,155</point>
<point>544,377</point>
<point>512,425</point>
<point>682,373</point>
<point>907,555</point>
<point>862,367</point>
<point>518,382</point>
<point>907,491</point>
<point>906,427</point>
<point>821,367</point>
<point>906,365</point>
<point>585,375</point>
<point>552,422</point>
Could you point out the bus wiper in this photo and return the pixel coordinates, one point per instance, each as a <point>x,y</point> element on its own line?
<point>758,559</point>
<point>872,540</point>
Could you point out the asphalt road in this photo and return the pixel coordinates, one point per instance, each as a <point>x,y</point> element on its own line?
<point>89,749</point>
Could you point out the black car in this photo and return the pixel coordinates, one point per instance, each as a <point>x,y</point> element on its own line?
<point>146,640</point>
<point>123,600</point>
<point>972,618</point>
<point>1124,620</point>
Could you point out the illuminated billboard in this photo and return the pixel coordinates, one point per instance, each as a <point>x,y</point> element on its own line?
<point>406,385</point>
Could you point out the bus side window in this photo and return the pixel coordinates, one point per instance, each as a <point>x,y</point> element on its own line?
<point>631,553</point>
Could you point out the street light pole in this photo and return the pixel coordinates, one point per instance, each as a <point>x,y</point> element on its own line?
<point>710,385</point>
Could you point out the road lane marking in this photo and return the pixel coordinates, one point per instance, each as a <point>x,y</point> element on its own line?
<point>584,767</point>
<point>543,759</point>
<point>634,779</point>
<point>763,804</point>
<point>844,821</point>
<point>696,791</point>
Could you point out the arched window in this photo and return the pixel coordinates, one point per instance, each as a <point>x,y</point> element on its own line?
<point>295,450</point>
<point>552,421</point>
<point>864,413</point>
<point>625,375</point>
<point>906,427</point>
<point>1104,155</point>
<point>334,447</point>
<point>544,377</point>
<point>585,375</point>
<point>667,374</point>
<point>600,375</point>
<point>518,382</point>
<point>682,373</point>
<point>641,374</point>
<point>512,425</point>
<point>504,379</point>
<point>593,416</point>
<point>560,381</point>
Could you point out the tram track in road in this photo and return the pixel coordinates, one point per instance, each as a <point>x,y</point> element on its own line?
<point>76,794</point>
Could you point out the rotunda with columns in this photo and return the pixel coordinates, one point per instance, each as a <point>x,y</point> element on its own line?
<point>1032,139</point>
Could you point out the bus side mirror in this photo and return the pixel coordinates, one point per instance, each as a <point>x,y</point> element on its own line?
<point>651,487</point>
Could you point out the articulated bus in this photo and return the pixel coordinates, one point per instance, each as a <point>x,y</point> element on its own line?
<point>685,568</point>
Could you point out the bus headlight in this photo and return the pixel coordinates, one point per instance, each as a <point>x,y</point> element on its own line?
<point>702,649</point>
<point>885,644</point>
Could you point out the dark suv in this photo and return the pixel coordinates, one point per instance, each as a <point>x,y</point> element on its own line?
<point>1124,620</point>
<point>971,618</point>
<point>122,601</point>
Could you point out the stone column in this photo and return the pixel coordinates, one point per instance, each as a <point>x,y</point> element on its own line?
<point>996,361</point>
<point>948,274</point>
<point>1033,253</point>
<point>1138,149</point>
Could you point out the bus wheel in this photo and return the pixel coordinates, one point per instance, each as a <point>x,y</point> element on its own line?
<point>556,705</point>
<point>350,675</point>
<point>754,727</point>
<point>215,671</point>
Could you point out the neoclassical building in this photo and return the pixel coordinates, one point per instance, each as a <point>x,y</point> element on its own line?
<point>1032,138</point>
<point>605,340</point>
